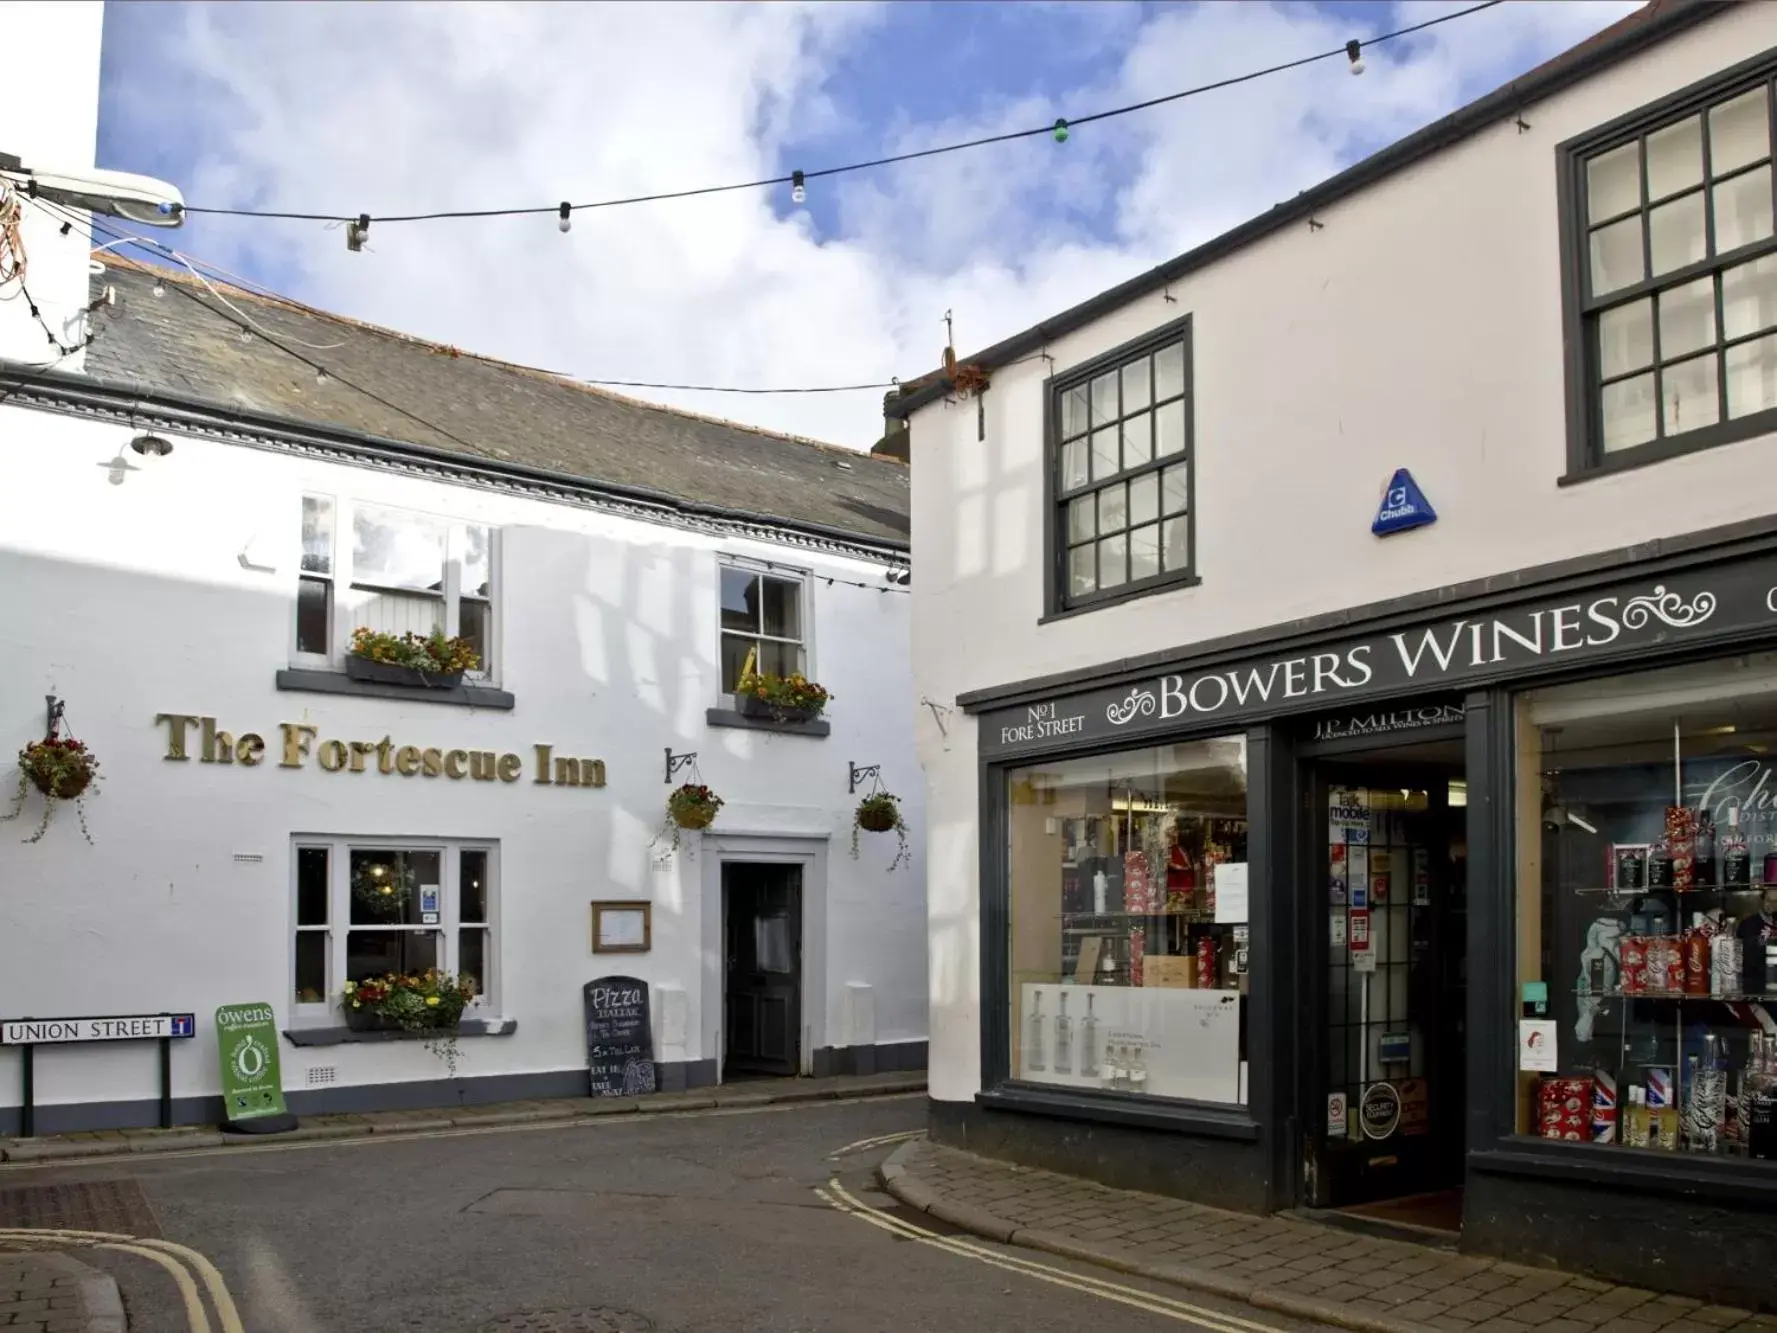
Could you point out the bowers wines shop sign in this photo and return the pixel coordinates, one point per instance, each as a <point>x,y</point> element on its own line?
<point>1723,602</point>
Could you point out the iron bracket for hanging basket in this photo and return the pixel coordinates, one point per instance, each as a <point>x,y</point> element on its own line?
<point>674,762</point>
<point>863,774</point>
<point>55,708</point>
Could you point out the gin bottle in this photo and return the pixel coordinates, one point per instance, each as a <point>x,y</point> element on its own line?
<point>1703,853</point>
<point>1064,1039</point>
<point>1033,1035</point>
<point>1138,1070</point>
<point>1736,861</point>
<point>1114,1074</point>
<point>1089,1042</point>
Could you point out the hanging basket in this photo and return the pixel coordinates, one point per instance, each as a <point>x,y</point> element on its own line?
<point>879,813</point>
<point>61,779</point>
<point>63,769</point>
<point>383,890</point>
<point>693,806</point>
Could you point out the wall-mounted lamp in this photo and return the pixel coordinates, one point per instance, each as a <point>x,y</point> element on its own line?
<point>898,575</point>
<point>151,446</point>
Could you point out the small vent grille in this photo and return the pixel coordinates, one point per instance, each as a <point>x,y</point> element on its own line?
<point>247,858</point>
<point>322,1074</point>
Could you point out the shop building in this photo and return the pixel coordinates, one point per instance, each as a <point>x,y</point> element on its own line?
<point>193,524</point>
<point>1362,636</point>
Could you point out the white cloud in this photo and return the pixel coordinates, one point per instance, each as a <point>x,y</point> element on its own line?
<point>398,107</point>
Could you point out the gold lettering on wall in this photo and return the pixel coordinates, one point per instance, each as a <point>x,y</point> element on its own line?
<point>299,742</point>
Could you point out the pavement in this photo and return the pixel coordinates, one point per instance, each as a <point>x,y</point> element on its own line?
<point>763,1217</point>
<point>1305,1270</point>
<point>570,1110</point>
<point>53,1293</point>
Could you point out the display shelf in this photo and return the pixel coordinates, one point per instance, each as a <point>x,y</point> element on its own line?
<point>1735,997</point>
<point>1696,891</point>
<point>1194,914</point>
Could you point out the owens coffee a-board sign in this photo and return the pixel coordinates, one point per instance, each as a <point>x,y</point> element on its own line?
<point>619,1037</point>
<point>252,1085</point>
<point>1727,602</point>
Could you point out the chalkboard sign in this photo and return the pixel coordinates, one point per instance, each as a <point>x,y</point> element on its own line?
<point>619,1037</point>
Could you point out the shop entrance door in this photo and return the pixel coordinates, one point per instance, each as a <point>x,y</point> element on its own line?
<point>1386,860</point>
<point>762,991</point>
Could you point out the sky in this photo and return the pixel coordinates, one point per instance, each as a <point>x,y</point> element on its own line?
<point>343,108</point>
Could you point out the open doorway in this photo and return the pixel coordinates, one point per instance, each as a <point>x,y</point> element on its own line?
<point>762,970</point>
<point>1386,878</point>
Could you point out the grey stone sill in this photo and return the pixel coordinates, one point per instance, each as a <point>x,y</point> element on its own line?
<point>337,682</point>
<point>341,1035</point>
<point>727,717</point>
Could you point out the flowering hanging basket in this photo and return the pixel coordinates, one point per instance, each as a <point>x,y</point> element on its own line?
<point>693,806</point>
<point>880,812</point>
<point>63,769</point>
<point>383,890</point>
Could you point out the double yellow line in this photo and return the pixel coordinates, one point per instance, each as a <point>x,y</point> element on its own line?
<point>835,1195</point>
<point>178,1260</point>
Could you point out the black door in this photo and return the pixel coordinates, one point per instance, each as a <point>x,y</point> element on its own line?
<point>763,987</point>
<point>1386,889</point>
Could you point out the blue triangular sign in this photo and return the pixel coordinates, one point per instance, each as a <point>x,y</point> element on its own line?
<point>1404,506</point>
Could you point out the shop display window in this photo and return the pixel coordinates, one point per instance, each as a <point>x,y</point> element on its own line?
<point>1128,931</point>
<point>1647,910</point>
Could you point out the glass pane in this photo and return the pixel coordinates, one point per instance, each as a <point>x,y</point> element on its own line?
<point>771,944</point>
<point>1113,566</point>
<point>1081,572</point>
<point>1118,956</point>
<point>1169,429</point>
<point>386,885</point>
<point>1743,210</point>
<point>314,613</point>
<point>1625,339</point>
<point>1175,489</point>
<point>780,659</point>
<point>1104,398</point>
<point>735,649</point>
<point>1144,552</point>
<point>1627,409</point>
<point>472,958</point>
<point>1749,297</point>
<point>311,967</point>
<point>1113,508</point>
<point>1082,518</point>
<point>1135,385</point>
<point>1642,836</point>
<point>1144,499</point>
<point>472,624</point>
<point>1616,256</point>
<point>1613,182</point>
<point>317,534</point>
<point>740,599</point>
<point>1739,132</point>
<point>1175,539</point>
<point>1752,377</point>
<point>1688,395</point>
<point>472,540</point>
<point>1073,412</point>
<point>311,886</point>
<point>1073,466</point>
<point>1138,440</point>
<point>1675,157</point>
<point>1106,454</point>
<point>1687,319</point>
<point>1169,372</point>
<point>472,889</point>
<point>1675,233</point>
<point>783,608</point>
<point>393,549</point>
<point>376,953</point>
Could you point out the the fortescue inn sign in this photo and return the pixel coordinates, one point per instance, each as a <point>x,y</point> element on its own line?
<point>1720,603</point>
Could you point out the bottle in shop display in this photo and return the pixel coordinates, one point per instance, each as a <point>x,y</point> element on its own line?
<point>1736,861</point>
<point>1114,1073</point>
<point>1636,1125</point>
<point>1631,869</point>
<point>1137,1079</point>
<point>1696,957</point>
<point>1703,852</point>
<point>1661,1112</point>
<point>1089,1042</point>
<point>1064,1039</point>
<point>1758,1097</point>
<point>1033,1038</point>
<point>1659,863</point>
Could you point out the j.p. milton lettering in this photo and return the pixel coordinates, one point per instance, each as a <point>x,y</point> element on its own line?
<point>299,744</point>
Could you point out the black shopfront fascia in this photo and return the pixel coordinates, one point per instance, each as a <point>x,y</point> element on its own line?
<point>1615,615</point>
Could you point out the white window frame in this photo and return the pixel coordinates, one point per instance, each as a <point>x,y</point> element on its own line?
<point>344,594</point>
<point>805,595</point>
<point>327,1013</point>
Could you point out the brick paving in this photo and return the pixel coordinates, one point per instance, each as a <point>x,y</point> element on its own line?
<point>48,1293</point>
<point>1305,1269</point>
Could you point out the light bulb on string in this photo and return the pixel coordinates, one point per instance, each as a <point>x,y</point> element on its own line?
<point>1354,53</point>
<point>1061,130</point>
<point>798,188</point>
<point>246,335</point>
<point>567,223</point>
<point>160,286</point>
<point>320,375</point>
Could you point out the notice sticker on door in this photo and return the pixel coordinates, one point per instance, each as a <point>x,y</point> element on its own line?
<point>1338,1110</point>
<point>428,904</point>
<point>1338,925</point>
<point>1358,929</point>
<point>1536,1045</point>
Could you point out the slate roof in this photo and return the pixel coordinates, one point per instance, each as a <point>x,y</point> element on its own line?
<point>183,344</point>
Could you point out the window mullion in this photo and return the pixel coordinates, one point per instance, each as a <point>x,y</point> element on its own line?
<point>453,579</point>
<point>341,637</point>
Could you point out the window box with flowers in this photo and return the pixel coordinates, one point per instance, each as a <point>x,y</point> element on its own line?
<point>429,661</point>
<point>428,1005</point>
<point>792,698</point>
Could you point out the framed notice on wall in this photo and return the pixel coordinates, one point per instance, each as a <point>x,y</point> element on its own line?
<point>622,927</point>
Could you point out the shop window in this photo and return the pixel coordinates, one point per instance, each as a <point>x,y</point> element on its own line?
<point>1671,234</point>
<point>364,909</point>
<point>400,572</point>
<point>1128,931</point>
<point>1122,456</point>
<point>764,623</point>
<point>1647,911</point>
